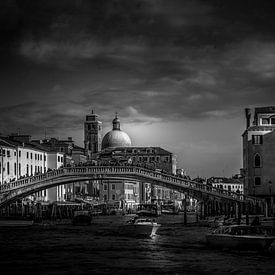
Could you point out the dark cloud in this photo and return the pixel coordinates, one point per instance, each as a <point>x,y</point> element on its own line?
<point>152,61</point>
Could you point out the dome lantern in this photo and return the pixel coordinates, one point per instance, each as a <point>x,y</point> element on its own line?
<point>116,123</point>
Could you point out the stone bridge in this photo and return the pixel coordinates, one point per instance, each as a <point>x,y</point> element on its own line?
<point>214,198</point>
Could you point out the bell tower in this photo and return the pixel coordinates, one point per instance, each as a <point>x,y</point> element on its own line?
<point>92,135</point>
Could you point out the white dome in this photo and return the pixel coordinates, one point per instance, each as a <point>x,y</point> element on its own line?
<point>116,138</point>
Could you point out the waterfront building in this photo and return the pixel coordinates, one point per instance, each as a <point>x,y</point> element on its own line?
<point>234,184</point>
<point>21,157</point>
<point>259,155</point>
<point>8,162</point>
<point>117,149</point>
<point>72,155</point>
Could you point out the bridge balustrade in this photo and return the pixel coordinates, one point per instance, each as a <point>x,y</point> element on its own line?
<point>99,170</point>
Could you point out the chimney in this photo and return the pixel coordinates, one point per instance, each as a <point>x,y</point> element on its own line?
<point>247,115</point>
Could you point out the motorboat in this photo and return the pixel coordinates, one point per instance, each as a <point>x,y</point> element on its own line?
<point>241,237</point>
<point>150,210</point>
<point>139,227</point>
<point>169,209</point>
<point>82,218</point>
<point>16,223</point>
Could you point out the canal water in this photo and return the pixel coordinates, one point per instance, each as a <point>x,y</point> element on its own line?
<point>98,249</point>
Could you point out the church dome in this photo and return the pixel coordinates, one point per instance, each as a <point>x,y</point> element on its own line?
<point>116,137</point>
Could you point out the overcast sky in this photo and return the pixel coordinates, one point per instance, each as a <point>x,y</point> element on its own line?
<point>179,73</point>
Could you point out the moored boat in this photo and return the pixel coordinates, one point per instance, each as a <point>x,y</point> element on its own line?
<point>139,227</point>
<point>16,223</point>
<point>241,237</point>
<point>169,209</point>
<point>81,218</point>
<point>150,210</point>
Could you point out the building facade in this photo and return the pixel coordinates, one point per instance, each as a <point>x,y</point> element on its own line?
<point>117,149</point>
<point>20,157</point>
<point>259,155</point>
<point>234,184</point>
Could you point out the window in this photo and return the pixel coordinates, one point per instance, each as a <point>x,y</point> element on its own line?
<point>257,160</point>
<point>8,168</point>
<point>19,154</point>
<point>257,181</point>
<point>27,155</point>
<point>113,197</point>
<point>8,153</point>
<point>15,169</point>
<point>19,169</point>
<point>45,158</point>
<point>105,197</point>
<point>31,169</point>
<point>15,153</point>
<point>31,155</point>
<point>58,158</point>
<point>265,121</point>
<point>40,157</point>
<point>105,187</point>
<point>27,169</point>
<point>113,187</point>
<point>35,156</point>
<point>257,139</point>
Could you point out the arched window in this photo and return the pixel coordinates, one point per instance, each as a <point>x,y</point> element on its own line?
<point>257,161</point>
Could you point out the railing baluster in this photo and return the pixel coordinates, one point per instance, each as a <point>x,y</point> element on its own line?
<point>120,171</point>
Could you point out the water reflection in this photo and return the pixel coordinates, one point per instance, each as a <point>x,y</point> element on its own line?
<point>98,249</point>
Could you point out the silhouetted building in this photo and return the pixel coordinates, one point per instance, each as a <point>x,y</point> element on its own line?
<point>92,135</point>
<point>259,155</point>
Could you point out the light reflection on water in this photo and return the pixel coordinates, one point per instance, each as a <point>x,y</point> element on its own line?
<point>99,249</point>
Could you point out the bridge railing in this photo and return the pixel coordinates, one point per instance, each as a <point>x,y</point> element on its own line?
<point>160,176</point>
<point>124,171</point>
<point>30,180</point>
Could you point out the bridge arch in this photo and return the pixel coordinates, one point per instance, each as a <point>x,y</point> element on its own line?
<point>24,187</point>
